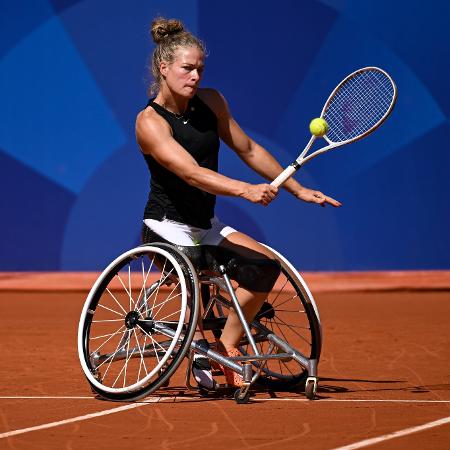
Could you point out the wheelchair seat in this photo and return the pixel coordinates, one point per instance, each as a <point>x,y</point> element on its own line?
<point>255,274</point>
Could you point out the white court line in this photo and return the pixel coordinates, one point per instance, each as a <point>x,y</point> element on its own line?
<point>395,434</point>
<point>348,400</point>
<point>78,418</point>
<point>147,400</point>
<point>45,397</point>
<point>281,399</point>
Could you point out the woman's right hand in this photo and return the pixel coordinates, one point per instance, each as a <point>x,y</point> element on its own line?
<point>260,193</point>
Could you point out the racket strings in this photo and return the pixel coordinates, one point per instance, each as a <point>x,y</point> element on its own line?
<point>358,105</point>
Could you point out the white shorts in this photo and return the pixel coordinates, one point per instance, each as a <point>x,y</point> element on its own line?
<point>187,235</point>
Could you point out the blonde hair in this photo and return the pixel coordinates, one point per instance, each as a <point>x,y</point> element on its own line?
<point>169,35</point>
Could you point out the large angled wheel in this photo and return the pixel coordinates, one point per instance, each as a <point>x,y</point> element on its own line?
<point>138,321</point>
<point>290,313</point>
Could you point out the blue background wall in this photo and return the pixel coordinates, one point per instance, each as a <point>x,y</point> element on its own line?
<point>73,76</point>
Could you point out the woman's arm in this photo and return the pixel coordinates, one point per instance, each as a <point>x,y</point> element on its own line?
<point>154,137</point>
<point>253,154</point>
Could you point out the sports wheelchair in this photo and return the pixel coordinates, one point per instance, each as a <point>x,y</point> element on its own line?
<point>139,318</point>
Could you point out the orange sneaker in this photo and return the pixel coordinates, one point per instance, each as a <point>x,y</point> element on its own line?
<point>232,378</point>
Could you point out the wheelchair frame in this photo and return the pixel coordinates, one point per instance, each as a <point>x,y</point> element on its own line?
<point>263,351</point>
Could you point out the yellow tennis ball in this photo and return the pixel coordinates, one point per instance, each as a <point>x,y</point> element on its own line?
<point>318,127</point>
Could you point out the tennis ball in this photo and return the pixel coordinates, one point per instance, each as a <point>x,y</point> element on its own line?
<point>318,127</point>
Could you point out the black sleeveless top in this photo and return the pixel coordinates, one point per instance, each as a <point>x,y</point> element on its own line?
<point>170,197</point>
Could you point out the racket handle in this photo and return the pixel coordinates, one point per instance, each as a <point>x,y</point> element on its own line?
<point>286,174</point>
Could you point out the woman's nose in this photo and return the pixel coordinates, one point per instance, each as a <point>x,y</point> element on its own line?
<point>195,75</point>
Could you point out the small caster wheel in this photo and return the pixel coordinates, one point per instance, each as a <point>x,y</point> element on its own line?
<point>311,388</point>
<point>241,398</point>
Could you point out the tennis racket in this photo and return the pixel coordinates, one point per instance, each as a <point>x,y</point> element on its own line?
<point>357,106</point>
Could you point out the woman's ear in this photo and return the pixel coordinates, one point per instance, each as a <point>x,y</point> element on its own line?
<point>163,68</point>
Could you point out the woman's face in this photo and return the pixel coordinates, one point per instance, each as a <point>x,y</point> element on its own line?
<point>184,74</point>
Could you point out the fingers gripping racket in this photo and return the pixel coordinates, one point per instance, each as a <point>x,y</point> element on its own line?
<point>356,107</point>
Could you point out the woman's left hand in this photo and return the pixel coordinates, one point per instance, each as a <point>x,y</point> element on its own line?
<point>311,196</point>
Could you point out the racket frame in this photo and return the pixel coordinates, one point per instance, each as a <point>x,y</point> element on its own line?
<point>302,159</point>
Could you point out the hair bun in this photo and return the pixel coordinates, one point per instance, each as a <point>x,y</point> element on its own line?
<point>162,28</point>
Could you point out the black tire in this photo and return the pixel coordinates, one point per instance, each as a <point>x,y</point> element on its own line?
<point>241,400</point>
<point>311,389</point>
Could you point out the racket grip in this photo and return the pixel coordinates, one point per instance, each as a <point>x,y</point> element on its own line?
<point>285,175</point>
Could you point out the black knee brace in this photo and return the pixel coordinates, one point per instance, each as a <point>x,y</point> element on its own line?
<point>258,275</point>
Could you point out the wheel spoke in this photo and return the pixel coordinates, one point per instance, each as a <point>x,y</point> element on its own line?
<point>112,335</point>
<point>171,314</point>
<point>126,290</point>
<point>107,320</point>
<point>152,341</point>
<point>111,357</point>
<point>129,283</point>
<point>154,314</point>
<point>112,310</point>
<point>144,283</point>
<point>158,344</point>
<point>102,336</point>
<point>128,358</point>
<point>290,325</point>
<point>124,366</point>
<point>165,321</point>
<point>115,299</point>
<point>141,352</point>
<point>288,300</point>
<point>298,334</point>
<point>287,367</point>
<point>144,303</point>
<point>279,292</point>
<point>159,284</point>
<point>281,331</point>
<point>156,351</point>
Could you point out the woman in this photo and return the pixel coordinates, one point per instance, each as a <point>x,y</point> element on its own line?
<point>178,133</point>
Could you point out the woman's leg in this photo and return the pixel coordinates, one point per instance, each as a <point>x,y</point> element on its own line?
<point>249,300</point>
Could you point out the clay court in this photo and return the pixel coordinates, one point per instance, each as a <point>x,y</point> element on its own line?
<point>108,107</point>
<point>384,369</point>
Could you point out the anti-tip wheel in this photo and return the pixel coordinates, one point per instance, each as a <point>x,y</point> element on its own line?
<point>311,388</point>
<point>239,398</point>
